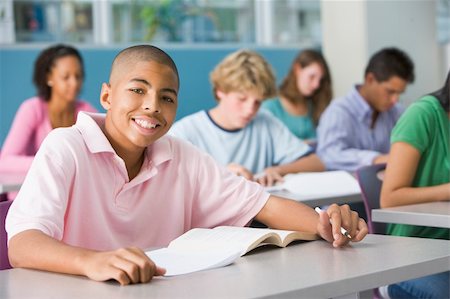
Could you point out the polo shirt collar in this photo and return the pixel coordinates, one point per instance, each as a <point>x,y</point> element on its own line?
<point>160,151</point>
<point>89,125</point>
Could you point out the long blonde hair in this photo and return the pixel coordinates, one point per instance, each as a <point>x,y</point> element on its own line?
<point>321,97</point>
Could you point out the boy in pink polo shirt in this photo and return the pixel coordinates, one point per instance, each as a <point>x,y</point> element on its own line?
<point>101,191</point>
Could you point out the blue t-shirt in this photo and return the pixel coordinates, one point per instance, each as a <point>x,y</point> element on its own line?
<point>263,143</point>
<point>301,126</point>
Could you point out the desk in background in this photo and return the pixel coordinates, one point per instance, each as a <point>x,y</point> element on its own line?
<point>319,201</point>
<point>9,183</point>
<point>303,270</point>
<point>319,188</point>
<point>435,214</point>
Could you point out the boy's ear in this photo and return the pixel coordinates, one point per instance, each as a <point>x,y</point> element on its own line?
<point>219,94</point>
<point>370,78</point>
<point>105,96</point>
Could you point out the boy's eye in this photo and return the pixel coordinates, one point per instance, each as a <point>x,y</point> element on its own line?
<point>137,90</point>
<point>168,99</point>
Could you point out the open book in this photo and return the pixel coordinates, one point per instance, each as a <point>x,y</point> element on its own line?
<point>319,184</point>
<point>201,248</point>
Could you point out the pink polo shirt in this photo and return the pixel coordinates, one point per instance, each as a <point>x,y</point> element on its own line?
<point>77,191</point>
<point>30,126</point>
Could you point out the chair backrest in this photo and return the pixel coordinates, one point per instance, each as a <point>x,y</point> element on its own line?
<point>370,184</point>
<point>4,261</point>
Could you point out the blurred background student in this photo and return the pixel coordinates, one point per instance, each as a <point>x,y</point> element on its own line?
<point>239,135</point>
<point>58,76</point>
<point>418,171</point>
<point>303,95</point>
<point>354,129</point>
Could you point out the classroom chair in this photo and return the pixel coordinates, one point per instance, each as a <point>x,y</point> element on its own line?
<point>370,184</point>
<point>4,261</point>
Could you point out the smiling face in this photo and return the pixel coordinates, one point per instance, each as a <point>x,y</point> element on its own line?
<point>236,109</point>
<point>308,78</point>
<point>141,103</point>
<point>65,79</point>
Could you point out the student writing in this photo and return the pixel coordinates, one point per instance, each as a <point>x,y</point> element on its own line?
<point>303,95</point>
<point>237,133</point>
<point>354,130</point>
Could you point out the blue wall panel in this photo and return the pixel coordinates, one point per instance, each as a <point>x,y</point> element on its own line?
<point>194,65</point>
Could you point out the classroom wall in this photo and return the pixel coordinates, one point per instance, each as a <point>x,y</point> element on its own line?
<point>354,30</point>
<point>194,65</point>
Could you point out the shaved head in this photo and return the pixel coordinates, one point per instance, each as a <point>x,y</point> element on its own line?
<point>127,58</point>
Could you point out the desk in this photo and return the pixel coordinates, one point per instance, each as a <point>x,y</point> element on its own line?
<point>9,183</point>
<point>303,270</point>
<point>436,214</point>
<point>319,201</point>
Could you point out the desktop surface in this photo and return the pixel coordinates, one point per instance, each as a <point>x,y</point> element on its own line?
<point>307,269</point>
<point>435,214</point>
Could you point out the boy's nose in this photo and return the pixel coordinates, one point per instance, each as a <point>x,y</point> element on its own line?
<point>151,103</point>
<point>395,98</point>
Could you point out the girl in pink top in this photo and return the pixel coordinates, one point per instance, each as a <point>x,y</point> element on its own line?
<point>58,77</point>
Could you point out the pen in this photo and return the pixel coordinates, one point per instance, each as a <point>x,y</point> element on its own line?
<point>343,230</point>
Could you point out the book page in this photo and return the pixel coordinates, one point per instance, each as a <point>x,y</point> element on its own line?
<point>201,249</point>
<point>230,237</point>
<point>178,262</point>
<point>319,184</point>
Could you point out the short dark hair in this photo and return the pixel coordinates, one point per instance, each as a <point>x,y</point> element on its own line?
<point>44,63</point>
<point>443,94</point>
<point>390,62</point>
<point>144,53</point>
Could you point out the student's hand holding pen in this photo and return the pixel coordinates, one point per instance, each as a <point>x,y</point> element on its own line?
<point>269,177</point>
<point>340,225</point>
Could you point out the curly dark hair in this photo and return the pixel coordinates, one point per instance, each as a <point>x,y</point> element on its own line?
<point>45,62</point>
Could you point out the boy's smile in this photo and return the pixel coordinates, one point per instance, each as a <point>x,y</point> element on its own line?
<point>141,105</point>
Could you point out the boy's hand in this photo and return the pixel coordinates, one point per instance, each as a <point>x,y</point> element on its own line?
<point>335,217</point>
<point>269,177</point>
<point>126,265</point>
<point>240,170</point>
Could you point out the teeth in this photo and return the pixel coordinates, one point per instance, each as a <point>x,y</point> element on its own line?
<point>145,124</point>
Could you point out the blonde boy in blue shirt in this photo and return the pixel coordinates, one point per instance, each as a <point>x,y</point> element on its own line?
<point>250,142</point>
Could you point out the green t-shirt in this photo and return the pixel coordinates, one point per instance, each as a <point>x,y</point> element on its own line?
<point>301,126</point>
<point>425,126</point>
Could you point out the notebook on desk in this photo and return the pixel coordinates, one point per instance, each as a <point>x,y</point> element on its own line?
<point>319,184</point>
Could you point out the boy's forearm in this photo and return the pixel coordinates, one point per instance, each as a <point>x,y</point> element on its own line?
<point>280,213</point>
<point>310,163</point>
<point>36,250</point>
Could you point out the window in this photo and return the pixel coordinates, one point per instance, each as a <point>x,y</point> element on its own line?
<point>49,21</point>
<point>264,22</point>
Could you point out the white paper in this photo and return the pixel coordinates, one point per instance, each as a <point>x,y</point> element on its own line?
<point>319,184</point>
<point>177,262</point>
